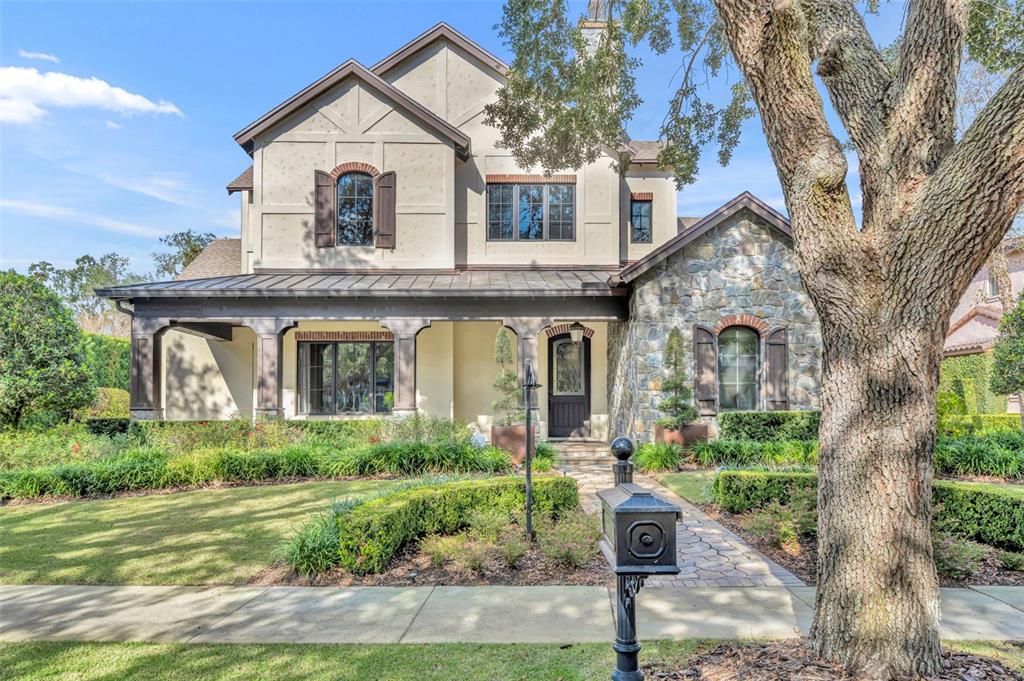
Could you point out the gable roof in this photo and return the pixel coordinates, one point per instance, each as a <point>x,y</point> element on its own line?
<point>746,200</point>
<point>246,136</point>
<point>220,258</point>
<point>241,183</point>
<point>437,32</point>
<point>974,332</point>
<point>644,151</point>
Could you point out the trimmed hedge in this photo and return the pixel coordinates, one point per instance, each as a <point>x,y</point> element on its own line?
<point>743,453</point>
<point>769,426</point>
<point>984,513</point>
<point>977,424</point>
<point>371,534</point>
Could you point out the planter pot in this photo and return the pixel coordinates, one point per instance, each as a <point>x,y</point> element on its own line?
<point>688,434</point>
<point>512,439</point>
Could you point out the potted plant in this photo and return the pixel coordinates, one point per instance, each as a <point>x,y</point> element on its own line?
<point>508,431</point>
<point>678,423</point>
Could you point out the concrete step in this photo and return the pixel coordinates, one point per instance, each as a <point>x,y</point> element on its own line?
<point>583,452</point>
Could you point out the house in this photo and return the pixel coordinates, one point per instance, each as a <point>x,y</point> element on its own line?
<point>385,239</point>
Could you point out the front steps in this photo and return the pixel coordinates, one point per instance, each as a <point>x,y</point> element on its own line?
<point>580,452</point>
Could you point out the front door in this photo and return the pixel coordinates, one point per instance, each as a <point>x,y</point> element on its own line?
<point>568,387</point>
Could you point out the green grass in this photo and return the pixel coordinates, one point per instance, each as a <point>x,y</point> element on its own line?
<point>216,536</point>
<point>694,486</point>
<point>284,662</point>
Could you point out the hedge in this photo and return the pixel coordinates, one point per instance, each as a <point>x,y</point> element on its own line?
<point>742,453</point>
<point>108,426</point>
<point>108,359</point>
<point>985,513</point>
<point>766,426</point>
<point>371,534</point>
<point>977,424</point>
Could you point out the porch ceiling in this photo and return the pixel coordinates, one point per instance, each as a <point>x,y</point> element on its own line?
<point>510,283</point>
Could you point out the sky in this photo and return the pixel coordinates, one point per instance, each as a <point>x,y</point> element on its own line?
<point>116,119</point>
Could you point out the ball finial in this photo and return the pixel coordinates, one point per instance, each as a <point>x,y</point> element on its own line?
<point>622,448</point>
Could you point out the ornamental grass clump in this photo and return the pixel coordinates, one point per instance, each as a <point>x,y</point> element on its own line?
<point>658,456</point>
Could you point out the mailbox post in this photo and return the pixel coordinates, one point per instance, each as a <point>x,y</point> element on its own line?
<point>638,538</point>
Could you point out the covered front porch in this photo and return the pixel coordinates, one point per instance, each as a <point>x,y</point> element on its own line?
<point>200,354</point>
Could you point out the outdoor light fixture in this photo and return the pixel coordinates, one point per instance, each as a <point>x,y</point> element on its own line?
<point>576,332</point>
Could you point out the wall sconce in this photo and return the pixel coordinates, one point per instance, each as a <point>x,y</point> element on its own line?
<point>576,332</point>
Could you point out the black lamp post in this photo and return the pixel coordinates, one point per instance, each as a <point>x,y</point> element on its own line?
<point>530,384</point>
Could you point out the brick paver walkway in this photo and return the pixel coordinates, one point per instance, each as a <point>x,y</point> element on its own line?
<point>709,554</point>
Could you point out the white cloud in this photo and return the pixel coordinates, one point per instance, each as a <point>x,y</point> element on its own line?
<point>50,212</point>
<point>25,91</point>
<point>111,125</point>
<point>41,56</point>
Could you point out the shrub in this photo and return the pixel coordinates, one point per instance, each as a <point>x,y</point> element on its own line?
<point>997,454</point>
<point>422,428</point>
<point>66,443</point>
<point>108,360</point>
<point>677,404</point>
<point>957,557</point>
<point>474,556</point>
<point>571,541</point>
<point>109,403</point>
<point>968,377</point>
<point>440,548</point>
<point>507,409</point>
<point>744,453</point>
<point>109,426</point>
<point>661,456</point>
<point>985,513</point>
<point>512,546</point>
<point>371,533</point>
<point>1011,560</point>
<point>186,436</point>
<point>314,548</point>
<point>544,458</point>
<point>487,524</point>
<point>775,526</point>
<point>977,424</point>
<point>766,426</point>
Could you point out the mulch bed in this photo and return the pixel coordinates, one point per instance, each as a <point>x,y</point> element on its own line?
<point>411,567</point>
<point>804,563</point>
<point>791,660</point>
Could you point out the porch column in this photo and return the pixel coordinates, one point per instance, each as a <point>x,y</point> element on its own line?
<point>269,341</point>
<point>405,330</point>
<point>146,402</point>
<point>527,330</point>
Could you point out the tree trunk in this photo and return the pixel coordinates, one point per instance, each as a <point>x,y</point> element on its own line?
<point>877,605</point>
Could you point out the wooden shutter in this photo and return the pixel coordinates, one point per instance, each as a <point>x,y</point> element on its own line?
<point>777,385</point>
<point>705,359</point>
<point>326,226</point>
<point>384,210</point>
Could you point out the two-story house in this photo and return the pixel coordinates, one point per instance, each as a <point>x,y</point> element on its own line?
<point>386,238</point>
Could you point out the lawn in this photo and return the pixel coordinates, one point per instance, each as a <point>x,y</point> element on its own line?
<point>214,536</point>
<point>464,661</point>
<point>694,486</point>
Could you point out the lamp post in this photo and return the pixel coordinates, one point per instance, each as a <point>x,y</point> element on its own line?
<point>530,384</point>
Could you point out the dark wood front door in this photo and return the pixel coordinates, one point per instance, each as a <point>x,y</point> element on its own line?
<point>568,387</point>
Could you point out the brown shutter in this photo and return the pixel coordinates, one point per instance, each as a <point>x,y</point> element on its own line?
<point>777,388</point>
<point>384,210</point>
<point>705,360</point>
<point>326,227</point>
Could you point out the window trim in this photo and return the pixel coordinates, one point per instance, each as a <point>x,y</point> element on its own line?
<point>650,219</point>
<point>300,374</point>
<point>337,207</point>
<point>546,221</point>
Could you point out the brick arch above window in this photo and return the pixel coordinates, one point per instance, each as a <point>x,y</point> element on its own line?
<point>354,167</point>
<point>564,328</point>
<point>740,320</point>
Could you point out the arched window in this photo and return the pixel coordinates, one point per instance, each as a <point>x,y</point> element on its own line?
<point>737,368</point>
<point>355,209</point>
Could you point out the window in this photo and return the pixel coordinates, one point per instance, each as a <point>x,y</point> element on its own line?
<point>355,209</point>
<point>531,212</point>
<point>640,222</point>
<point>991,287</point>
<point>568,374</point>
<point>737,369</point>
<point>346,377</point>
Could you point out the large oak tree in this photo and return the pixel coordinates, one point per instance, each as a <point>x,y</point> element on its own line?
<point>934,208</point>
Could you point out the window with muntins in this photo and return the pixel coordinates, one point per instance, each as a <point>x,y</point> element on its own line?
<point>355,209</point>
<point>737,369</point>
<point>346,377</point>
<point>640,222</point>
<point>531,212</point>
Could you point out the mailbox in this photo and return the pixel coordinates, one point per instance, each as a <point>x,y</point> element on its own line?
<point>638,531</point>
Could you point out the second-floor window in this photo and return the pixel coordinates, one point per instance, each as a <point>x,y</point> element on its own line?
<point>355,209</point>
<point>640,222</point>
<point>531,212</point>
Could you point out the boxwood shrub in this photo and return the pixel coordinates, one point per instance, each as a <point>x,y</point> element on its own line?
<point>370,534</point>
<point>767,426</point>
<point>985,513</point>
<point>959,425</point>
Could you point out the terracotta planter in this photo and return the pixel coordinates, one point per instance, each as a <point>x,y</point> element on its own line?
<point>512,439</point>
<point>688,434</point>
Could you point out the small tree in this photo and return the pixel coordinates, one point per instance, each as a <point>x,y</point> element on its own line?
<point>42,353</point>
<point>677,407</point>
<point>1008,357</point>
<point>510,405</point>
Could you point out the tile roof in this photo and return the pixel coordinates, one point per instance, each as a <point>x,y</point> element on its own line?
<point>223,257</point>
<point>241,183</point>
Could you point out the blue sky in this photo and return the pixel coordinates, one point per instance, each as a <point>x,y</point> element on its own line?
<point>123,131</point>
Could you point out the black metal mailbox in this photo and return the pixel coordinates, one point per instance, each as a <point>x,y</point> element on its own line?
<point>639,531</point>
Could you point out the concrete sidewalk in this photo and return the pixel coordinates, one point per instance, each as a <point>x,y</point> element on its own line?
<point>489,614</point>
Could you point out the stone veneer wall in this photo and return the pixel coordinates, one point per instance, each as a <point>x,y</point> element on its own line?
<point>741,266</point>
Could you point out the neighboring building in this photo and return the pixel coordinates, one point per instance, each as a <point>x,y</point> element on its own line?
<point>385,239</point>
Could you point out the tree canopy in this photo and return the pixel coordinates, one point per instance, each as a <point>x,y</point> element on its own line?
<point>185,247</point>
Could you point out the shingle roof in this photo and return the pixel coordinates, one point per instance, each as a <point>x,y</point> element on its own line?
<point>241,183</point>
<point>465,283</point>
<point>644,151</point>
<point>685,223</point>
<point>223,257</point>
